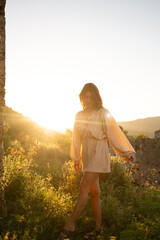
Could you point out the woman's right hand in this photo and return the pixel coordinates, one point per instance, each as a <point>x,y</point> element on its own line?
<point>77,167</point>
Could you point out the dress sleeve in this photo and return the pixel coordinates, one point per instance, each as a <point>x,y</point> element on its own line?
<point>116,137</point>
<point>76,143</point>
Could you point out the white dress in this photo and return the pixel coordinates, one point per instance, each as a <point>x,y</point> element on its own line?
<point>89,142</point>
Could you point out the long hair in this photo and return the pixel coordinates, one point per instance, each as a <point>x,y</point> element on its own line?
<point>90,87</point>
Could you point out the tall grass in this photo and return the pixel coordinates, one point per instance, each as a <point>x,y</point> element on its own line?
<point>41,187</point>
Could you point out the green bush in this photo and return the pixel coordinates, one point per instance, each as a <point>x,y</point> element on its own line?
<point>49,160</point>
<point>41,187</point>
<point>34,205</point>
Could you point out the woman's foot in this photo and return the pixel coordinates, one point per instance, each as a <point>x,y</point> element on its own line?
<point>70,227</point>
<point>92,235</point>
<point>65,233</point>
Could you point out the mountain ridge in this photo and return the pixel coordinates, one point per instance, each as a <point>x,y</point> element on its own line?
<point>147,126</point>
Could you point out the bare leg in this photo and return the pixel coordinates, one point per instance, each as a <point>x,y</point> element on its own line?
<point>88,179</point>
<point>96,203</point>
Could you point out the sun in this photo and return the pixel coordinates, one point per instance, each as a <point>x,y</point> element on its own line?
<point>51,122</point>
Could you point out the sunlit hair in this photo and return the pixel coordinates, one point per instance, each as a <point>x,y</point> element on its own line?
<point>90,87</point>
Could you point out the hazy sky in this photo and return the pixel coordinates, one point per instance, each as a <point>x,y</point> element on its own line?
<point>54,47</point>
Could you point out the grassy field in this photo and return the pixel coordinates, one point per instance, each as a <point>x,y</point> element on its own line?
<point>41,188</point>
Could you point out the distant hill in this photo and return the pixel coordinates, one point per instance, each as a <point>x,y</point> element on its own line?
<point>9,113</point>
<point>145,125</point>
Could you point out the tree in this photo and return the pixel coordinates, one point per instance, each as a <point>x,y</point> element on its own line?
<point>2,98</point>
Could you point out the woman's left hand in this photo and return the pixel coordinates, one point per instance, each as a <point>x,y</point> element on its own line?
<point>131,159</point>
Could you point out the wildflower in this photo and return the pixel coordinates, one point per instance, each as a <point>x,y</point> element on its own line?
<point>112,238</point>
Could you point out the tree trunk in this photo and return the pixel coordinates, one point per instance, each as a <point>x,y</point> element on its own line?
<point>3,209</point>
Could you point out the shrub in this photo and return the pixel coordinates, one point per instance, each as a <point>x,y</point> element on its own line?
<point>41,187</point>
<point>34,205</point>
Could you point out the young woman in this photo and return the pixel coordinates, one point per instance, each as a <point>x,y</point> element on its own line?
<point>93,127</point>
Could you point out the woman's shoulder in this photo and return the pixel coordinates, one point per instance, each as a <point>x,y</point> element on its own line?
<point>105,114</point>
<point>100,111</point>
<point>103,110</point>
<point>79,114</point>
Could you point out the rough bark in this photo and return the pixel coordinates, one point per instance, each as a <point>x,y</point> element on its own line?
<point>3,210</point>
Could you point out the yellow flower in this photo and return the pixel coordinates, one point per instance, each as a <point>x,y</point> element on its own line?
<point>112,238</point>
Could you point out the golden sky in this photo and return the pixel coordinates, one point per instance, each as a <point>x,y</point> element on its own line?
<point>54,47</point>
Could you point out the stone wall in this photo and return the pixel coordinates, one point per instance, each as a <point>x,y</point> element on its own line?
<point>149,154</point>
<point>157,134</point>
<point>3,209</point>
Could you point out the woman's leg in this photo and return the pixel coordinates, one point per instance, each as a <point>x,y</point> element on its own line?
<point>96,203</point>
<point>88,179</point>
